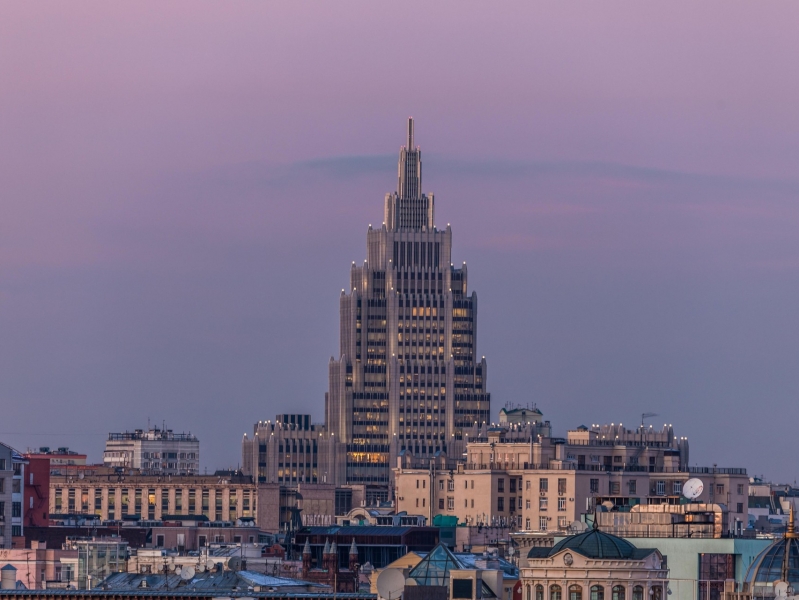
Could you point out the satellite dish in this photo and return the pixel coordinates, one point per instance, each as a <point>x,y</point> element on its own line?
<point>390,584</point>
<point>172,567</point>
<point>234,564</point>
<point>177,570</point>
<point>210,565</point>
<point>608,504</point>
<point>693,488</point>
<point>187,573</point>
<point>578,526</point>
<point>200,568</point>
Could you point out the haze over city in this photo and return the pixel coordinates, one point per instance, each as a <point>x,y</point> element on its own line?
<point>184,195</point>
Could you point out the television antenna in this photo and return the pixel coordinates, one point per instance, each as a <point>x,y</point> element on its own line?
<point>646,415</point>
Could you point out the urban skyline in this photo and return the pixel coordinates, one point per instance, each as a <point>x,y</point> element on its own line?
<point>176,230</point>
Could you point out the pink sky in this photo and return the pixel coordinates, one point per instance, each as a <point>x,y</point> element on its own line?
<point>185,185</point>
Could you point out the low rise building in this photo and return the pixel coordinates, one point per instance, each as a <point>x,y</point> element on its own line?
<point>595,565</point>
<point>224,496</point>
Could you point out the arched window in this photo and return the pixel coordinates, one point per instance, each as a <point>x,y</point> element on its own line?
<point>575,592</point>
<point>529,593</point>
<point>618,592</point>
<point>539,592</point>
<point>638,593</point>
<point>597,592</point>
<point>554,592</point>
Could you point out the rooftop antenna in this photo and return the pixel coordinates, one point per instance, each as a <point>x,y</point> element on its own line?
<point>410,133</point>
<point>646,415</point>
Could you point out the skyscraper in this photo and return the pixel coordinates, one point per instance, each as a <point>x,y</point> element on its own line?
<point>407,377</point>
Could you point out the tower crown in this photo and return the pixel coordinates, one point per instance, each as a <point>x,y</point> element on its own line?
<point>408,208</point>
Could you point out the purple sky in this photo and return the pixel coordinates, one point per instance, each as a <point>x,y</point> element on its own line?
<point>185,185</point>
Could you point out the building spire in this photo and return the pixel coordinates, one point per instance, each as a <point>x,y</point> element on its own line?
<point>410,133</point>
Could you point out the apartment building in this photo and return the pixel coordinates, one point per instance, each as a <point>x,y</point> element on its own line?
<point>546,484</point>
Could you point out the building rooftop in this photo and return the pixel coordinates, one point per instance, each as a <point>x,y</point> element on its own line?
<point>595,544</point>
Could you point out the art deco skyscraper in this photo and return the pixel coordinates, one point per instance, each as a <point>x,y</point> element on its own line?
<point>407,378</point>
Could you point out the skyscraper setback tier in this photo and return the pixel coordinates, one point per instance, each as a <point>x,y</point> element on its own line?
<point>407,378</point>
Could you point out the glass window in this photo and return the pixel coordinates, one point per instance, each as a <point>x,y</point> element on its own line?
<point>597,592</point>
<point>554,592</point>
<point>618,592</point>
<point>575,592</point>
<point>539,592</point>
<point>638,593</point>
<point>543,484</point>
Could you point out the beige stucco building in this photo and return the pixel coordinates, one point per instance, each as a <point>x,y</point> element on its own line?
<point>546,484</point>
<point>594,566</point>
<point>222,497</point>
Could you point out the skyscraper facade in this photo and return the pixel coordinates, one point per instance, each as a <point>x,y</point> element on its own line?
<point>408,377</point>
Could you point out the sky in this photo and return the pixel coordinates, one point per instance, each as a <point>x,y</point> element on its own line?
<point>185,185</point>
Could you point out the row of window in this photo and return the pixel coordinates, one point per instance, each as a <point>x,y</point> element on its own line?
<point>597,592</point>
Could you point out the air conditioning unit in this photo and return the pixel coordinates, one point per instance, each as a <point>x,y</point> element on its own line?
<point>571,499</point>
<point>400,498</point>
<point>543,494</point>
<point>549,518</point>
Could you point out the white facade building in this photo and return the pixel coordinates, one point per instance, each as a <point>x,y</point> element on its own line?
<point>155,452</point>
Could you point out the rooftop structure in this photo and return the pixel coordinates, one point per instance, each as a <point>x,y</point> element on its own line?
<point>155,451</point>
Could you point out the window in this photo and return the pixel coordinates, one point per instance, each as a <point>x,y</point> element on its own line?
<point>527,504</point>
<point>638,593</point>
<point>617,459</point>
<point>554,591</point>
<point>740,489</point>
<point>501,484</point>
<point>614,488</point>
<point>594,486</point>
<point>719,489</point>
<point>542,523</point>
<point>451,485</point>
<point>500,504</point>
<point>561,504</point>
<point>631,485</point>
<point>159,541</point>
<point>527,484</point>
<point>561,486</point>
<point>16,509</point>
<point>740,507</point>
<point>15,487</point>
<point>575,592</point>
<point>597,592</point>
<point>417,503</point>
<point>450,503</point>
<point>527,524</point>
<point>660,488</point>
<point>512,503</point>
<point>563,523</point>
<point>543,485</point>
<point>417,484</point>
<point>441,504</point>
<point>676,488</point>
<point>512,485</point>
<point>441,485</point>
<point>539,592</point>
<point>618,592</point>
<point>542,503</point>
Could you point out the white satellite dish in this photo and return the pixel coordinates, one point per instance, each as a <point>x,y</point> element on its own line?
<point>177,570</point>
<point>201,568</point>
<point>210,565</point>
<point>390,584</point>
<point>693,488</point>
<point>187,573</point>
<point>578,526</point>
<point>234,564</point>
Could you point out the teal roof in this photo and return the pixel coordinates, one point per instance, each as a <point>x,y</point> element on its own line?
<point>596,544</point>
